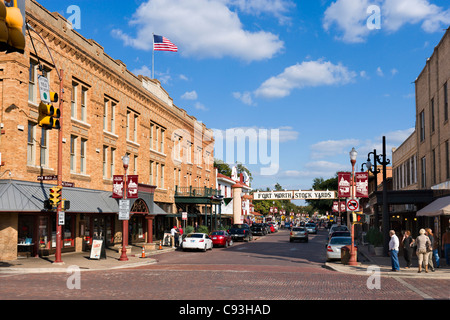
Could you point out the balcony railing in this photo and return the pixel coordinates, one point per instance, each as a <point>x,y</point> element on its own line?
<point>196,192</point>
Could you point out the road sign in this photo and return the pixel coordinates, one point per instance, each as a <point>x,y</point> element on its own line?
<point>352,205</point>
<point>124,209</point>
<point>184,215</point>
<point>61,218</point>
<point>44,89</point>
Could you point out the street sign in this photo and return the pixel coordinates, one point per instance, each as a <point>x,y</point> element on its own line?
<point>44,89</point>
<point>47,178</point>
<point>124,209</point>
<point>352,205</point>
<point>184,215</point>
<point>61,218</point>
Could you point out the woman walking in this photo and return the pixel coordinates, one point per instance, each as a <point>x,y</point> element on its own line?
<point>407,243</point>
<point>433,240</point>
<point>422,243</point>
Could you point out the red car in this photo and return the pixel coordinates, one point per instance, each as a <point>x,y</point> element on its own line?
<point>221,238</point>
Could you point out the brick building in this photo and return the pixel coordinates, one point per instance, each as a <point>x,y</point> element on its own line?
<point>421,165</point>
<point>107,112</point>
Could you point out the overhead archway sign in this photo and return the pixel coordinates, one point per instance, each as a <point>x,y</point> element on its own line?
<point>294,195</point>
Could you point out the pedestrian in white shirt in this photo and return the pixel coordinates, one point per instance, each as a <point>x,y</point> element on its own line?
<point>393,250</point>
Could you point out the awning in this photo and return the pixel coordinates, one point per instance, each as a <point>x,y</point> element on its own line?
<point>438,207</point>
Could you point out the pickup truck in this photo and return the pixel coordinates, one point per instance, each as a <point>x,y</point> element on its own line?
<point>241,232</point>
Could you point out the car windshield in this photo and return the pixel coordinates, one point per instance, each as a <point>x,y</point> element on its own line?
<point>217,233</point>
<point>298,229</point>
<point>341,240</point>
<point>240,226</point>
<point>195,235</point>
<point>340,228</point>
<point>310,225</point>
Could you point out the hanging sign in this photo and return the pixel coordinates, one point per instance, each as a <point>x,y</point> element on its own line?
<point>362,184</point>
<point>344,183</point>
<point>352,205</point>
<point>132,186</point>
<point>117,187</point>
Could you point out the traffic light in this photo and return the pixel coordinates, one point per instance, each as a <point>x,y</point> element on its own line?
<point>12,36</point>
<point>357,217</point>
<point>55,196</point>
<point>49,114</point>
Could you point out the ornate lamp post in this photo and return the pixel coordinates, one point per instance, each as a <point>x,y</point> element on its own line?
<point>353,259</point>
<point>375,171</point>
<point>123,257</point>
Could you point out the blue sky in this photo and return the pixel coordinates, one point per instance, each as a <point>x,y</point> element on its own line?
<point>313,70</point>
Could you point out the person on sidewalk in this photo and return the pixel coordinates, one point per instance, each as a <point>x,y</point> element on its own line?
<point>407,243</point>
<point>173,233</point>
<point>430,235</point>
<point>393,249</point>
<point>422,242</point>
<point>446,246</point>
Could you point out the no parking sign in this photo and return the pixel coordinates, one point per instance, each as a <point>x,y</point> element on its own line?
<point>352,205</point>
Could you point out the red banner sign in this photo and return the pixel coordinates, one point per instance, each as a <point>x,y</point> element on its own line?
<point>117,187</point>
<point>336,208</point>
<point>132,187</point>
<point>344,184</point>
<point>362,184</point>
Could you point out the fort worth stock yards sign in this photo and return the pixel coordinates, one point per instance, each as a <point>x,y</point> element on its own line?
<point>295,195</point>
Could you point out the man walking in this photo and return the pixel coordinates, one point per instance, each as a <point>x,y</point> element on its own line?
<point>393,249</point>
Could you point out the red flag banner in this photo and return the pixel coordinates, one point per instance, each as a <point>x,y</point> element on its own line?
<point>362,184</point>
<point>117,187</point>
<point>132,187</point>
<point>344,184</point>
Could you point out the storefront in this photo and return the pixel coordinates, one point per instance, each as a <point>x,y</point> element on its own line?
<point>29,230</point>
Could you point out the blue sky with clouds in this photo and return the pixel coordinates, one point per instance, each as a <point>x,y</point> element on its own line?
<point>316,71</point>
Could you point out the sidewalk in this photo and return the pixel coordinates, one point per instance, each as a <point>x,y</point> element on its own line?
<point>82,261</point>
<point>366,260</point>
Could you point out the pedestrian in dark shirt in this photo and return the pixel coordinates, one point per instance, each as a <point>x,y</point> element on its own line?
<point>408,243</point>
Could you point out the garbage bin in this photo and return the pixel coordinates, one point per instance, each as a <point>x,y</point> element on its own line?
<point>345,254</point>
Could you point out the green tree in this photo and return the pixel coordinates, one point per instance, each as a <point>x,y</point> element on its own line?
<point>321,185</point>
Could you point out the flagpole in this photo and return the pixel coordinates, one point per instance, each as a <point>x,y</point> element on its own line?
<point>153,57</point>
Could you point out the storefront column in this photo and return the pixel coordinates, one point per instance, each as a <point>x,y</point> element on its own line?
<point>150,228</point>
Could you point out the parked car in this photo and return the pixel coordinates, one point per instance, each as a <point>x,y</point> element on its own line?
<point>268,229</point>
<point>221,238</point>
<point>274,224</point>
<point>335,245</point>
<point>197,241</point>
<point>258,229</point>
<point>336,227</point>
<point>298,233</point>
<point>311,227</point>
<point>241,232</point>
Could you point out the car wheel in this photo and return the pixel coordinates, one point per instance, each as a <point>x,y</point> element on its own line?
<point>231,242</point>
<point>204,249</point>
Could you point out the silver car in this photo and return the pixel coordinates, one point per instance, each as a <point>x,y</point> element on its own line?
<point>335,245</point>
<point>298,233</point>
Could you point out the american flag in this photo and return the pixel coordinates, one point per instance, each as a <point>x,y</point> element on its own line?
<point>161,43</point>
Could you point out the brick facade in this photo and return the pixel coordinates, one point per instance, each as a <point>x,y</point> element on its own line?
<point>107,112</point>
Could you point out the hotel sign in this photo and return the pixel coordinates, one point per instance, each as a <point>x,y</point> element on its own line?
<point>294,195</point>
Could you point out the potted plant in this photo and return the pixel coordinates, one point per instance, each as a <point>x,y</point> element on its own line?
<point>375,239</point>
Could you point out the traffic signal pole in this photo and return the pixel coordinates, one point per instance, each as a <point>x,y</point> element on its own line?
<point>60,167</point>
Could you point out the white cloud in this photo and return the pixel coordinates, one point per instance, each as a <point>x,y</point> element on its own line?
<point>190,95</point>
<point>200,28</point>
<point>332,148</point>
<point>200,106</point>
<point>380,72</point>
<point>244,97</point>
<point>307,74</point>
<point>277,8</point>
<point>350,17</point>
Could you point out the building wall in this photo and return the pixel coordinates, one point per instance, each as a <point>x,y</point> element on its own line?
<point>431,92</point>
<point>8,236</point>
<point>404,162</point>
<point>104,82</point>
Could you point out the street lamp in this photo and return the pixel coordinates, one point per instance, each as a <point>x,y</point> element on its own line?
<point>353,260</point>
<point>123,257</point>
<point>375,171</point>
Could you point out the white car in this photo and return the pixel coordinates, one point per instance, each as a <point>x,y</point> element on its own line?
<point>335,245</point>
<point>197,241</point>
